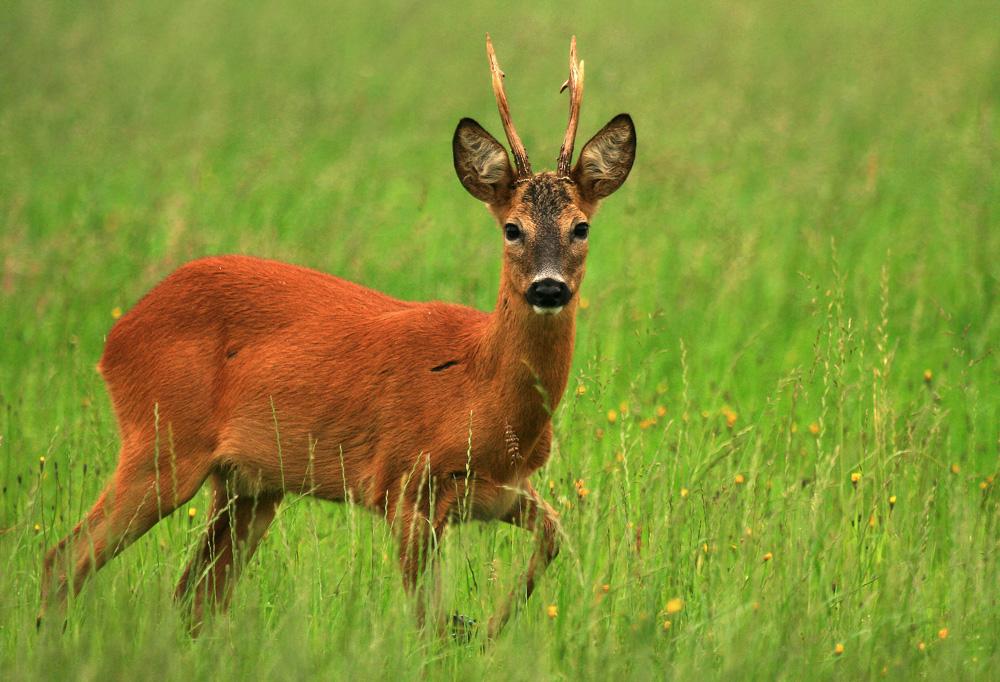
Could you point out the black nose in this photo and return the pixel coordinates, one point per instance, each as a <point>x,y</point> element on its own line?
<point>548,293</point>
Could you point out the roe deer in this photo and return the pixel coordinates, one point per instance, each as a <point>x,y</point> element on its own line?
<point>267,379</point>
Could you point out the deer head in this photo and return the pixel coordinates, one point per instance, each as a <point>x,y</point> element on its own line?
<point>545,216</point>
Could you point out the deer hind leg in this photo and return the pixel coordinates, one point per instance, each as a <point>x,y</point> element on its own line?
<point>533,514</point>
<point>237,524</point>
<point>133,502</point>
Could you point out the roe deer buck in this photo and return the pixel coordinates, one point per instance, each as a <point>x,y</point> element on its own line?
<point>267,379</point>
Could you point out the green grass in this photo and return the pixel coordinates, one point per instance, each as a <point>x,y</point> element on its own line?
<point>813,221</point>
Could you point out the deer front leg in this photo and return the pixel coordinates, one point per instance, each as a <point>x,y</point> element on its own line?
<point>533,514</point>
<point>420,534</point>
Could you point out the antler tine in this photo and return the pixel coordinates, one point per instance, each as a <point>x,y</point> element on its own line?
<point>575,85</point>
<point>520,155</point>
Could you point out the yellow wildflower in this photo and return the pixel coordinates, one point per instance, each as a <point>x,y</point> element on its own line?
<point>838,649</point>
<point>552,610</point>
<point>739,480</point>
<point>943,633</point>
<point>612,416</point>
<point>768,556</point>
<point>675,605</point>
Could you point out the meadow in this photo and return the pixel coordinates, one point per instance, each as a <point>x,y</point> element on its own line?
<point>777,457</point>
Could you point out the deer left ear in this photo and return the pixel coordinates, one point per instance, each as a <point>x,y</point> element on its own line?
<point>606,159</point>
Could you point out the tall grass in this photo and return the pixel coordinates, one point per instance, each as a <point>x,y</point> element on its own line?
<point>781,433</point>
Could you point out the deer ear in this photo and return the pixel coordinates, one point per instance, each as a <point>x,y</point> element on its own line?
<point>482,163</point>
<point>606,159</point>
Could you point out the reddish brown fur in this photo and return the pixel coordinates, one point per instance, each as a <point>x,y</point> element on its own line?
<point>268,378</point>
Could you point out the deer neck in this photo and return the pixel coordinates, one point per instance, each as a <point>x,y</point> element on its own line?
<point>529,357</point>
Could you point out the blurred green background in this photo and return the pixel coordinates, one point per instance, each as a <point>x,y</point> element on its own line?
<point>797,283</point>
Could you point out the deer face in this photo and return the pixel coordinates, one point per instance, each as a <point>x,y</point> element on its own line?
<point>545,217</point>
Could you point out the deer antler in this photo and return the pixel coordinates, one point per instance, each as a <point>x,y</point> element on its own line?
<point>575,85</point>
<point>520,156</point>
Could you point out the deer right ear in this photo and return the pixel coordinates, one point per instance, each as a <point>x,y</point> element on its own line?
<point>482,163</point>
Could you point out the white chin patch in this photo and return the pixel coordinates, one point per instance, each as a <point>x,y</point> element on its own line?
<point>547,311</point>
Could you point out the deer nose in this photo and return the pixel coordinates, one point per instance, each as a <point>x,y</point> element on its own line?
<point>548,293</point>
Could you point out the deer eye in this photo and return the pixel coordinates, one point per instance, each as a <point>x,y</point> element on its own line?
<point>512,232</point>
<point>581,231</point>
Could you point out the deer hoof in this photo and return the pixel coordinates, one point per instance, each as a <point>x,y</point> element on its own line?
<point>463,628</point>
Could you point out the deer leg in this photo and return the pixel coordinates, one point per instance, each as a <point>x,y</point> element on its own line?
<point>236,526</point>
<point>533,514</point>
<point>129,506</point>
<point>420,535</point>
